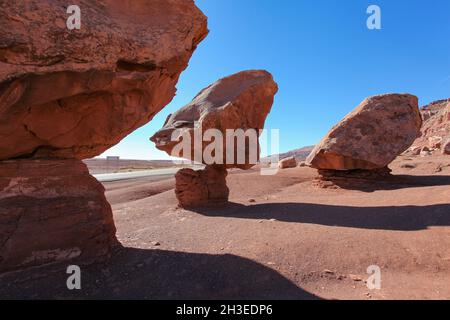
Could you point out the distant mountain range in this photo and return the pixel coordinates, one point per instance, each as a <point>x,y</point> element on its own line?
<point>299,154</point>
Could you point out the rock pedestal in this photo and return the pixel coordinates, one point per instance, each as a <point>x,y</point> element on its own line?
<point>52,211</point>
<point>201,188</point>
<point>354,179</point>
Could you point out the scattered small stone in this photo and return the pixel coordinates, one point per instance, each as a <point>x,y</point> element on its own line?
<point>252,200</point>
<point>286,163</point>
<point>155,243</point>
<point>326,271</point>
<point>355,278</point>
<point>273,220</point>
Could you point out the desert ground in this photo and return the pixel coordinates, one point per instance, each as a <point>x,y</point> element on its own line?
<point>280,237</point>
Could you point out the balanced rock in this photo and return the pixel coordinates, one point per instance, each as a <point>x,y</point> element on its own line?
<point>241,101</point>
<point>238,103</point>
<point>203,187</point>
<point>286,163</point>
<point>51,210</point>
<point>75,93</point>
<point>371,136</point>
<point>67,95</point>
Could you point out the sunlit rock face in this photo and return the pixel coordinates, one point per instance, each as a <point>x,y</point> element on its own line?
<point>238,104</point>
<point>67,95</point>
<point>371,136</point>
<point>241,101</point>
<point>75,93</point>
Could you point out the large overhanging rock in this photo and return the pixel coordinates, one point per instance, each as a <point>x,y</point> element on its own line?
<point>67,95</point>
<point>238,102</point>
<point>75,93</point>
<point>371,136</point>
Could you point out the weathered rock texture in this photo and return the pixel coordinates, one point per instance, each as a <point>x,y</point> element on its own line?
<point>286,163</point>
<point>241,101</point>
<point>203,187</point>
<point>435,129</point>
<point>371,136</point>
<point>74,94</point>
<point>51,210</point>
<point>446,147</point>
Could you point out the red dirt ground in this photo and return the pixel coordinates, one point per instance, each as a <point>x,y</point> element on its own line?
<point>280,237</point>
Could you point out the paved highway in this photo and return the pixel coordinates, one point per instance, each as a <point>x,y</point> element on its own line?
<point>157,174</point>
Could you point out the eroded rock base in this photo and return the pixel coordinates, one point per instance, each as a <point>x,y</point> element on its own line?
<point>353,179</point>
<point>201,188</point>
<point>52,211</point>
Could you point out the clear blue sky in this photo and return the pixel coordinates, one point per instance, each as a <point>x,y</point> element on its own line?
<point>323,57</point>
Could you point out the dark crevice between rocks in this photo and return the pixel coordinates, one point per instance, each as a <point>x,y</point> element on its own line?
<point>130,66</point>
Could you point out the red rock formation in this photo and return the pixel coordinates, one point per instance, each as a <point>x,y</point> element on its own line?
<point>371,136</point>
<point>51,210</point>
<point>435,129</point>
<point>446,147</point>
<point>76,93</point>
<point>203,187</point>
<point>72,94</point>
<point>286,163</point>
<point>241,101</point>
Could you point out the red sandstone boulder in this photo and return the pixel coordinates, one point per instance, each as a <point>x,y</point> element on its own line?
<point>75,93</point>
<point>51,211</point>
<point>238,102</point>
<point>371,136</point>
<point>72,94</point>
<point>286,163</point>
<point>241,101</point>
